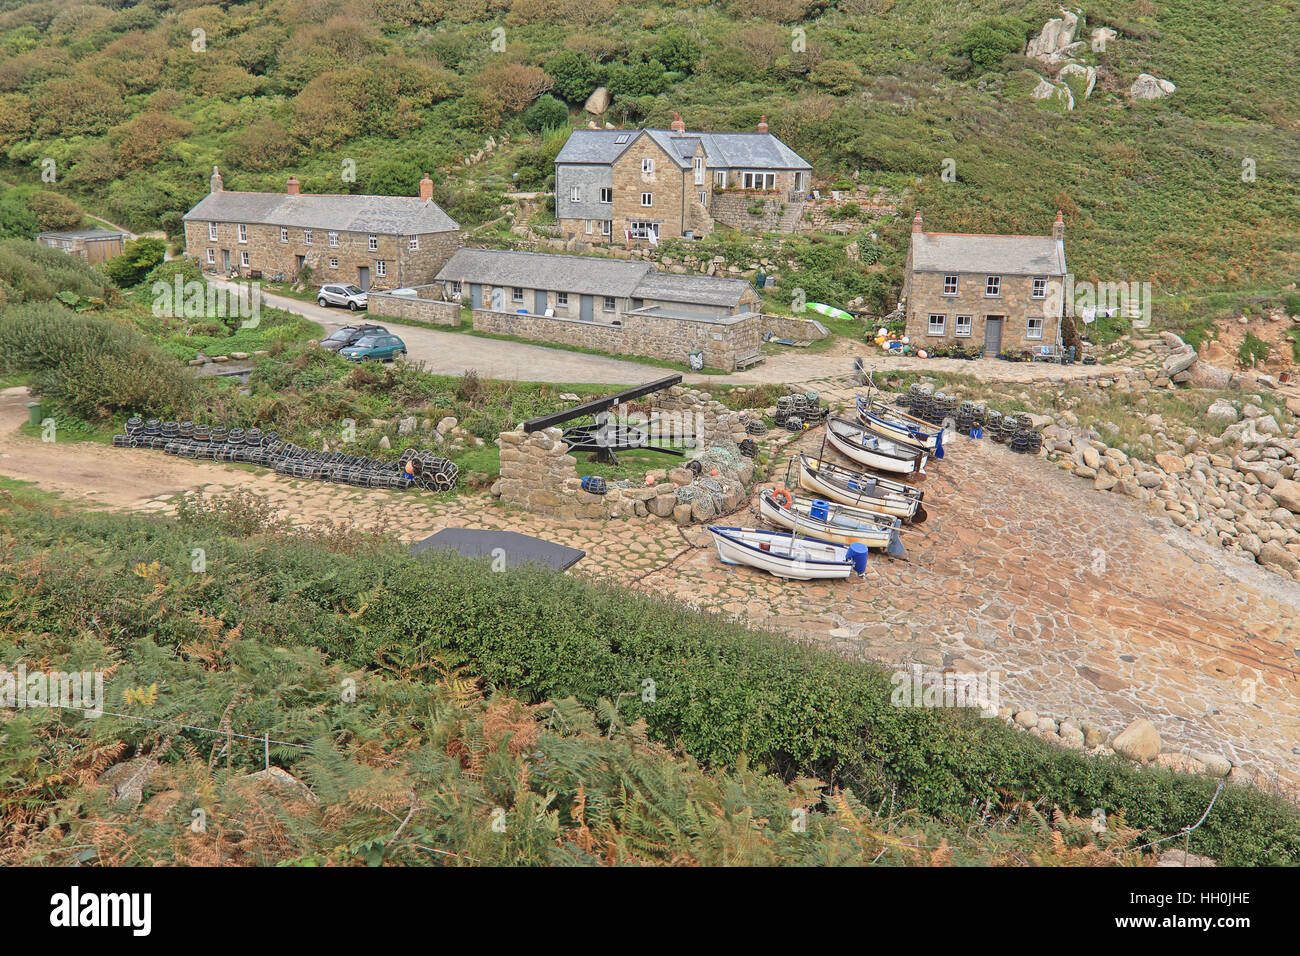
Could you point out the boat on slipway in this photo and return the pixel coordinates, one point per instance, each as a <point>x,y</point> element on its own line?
<point>865,447</point>
<point>872,492</point>
<point>831,521</point>
<point>787,555</point>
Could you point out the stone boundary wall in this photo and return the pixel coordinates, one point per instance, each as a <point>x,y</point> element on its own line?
<point>434,311</point>
<point>797,330</point>
<point>723,343</point>
<point>732,209</point>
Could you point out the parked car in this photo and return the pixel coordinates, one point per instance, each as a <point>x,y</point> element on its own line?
<point>349,334</point>
<point>374,347</point>
<point>337,294</point>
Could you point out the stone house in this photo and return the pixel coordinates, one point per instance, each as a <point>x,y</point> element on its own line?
<point>93,245</point>
<point>998,292</point>
<point>613,305</point>
<point>379,242</point>
<point>636,187</point>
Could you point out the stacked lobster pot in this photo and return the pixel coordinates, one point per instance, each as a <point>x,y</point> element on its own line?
<point>218,443</point>
<point>795,411</point>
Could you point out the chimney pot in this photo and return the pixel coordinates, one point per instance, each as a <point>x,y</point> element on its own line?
<point>762,124</point>
<point>1058,227</point>
<point>292,189</point>
<point>426,188</point>
<point>678,125</point>
<point>917,224</point>
<point>216,183</point>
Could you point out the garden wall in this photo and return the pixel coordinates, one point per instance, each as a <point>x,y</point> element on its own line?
<point>410,308</point>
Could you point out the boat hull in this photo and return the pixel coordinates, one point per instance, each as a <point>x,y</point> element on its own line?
<point>855,526</point>
<point>891,504</point>
<point>822,560</point>
<point>891,426</point>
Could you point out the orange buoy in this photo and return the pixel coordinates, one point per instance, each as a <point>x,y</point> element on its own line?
<point>783,497</point>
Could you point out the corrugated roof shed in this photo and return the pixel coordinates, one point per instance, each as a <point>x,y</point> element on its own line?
<point>382,215</point>
<point>995,255</point>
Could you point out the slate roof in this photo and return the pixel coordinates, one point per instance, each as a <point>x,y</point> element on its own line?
<point>588,275</point>
<point>747,150</point>
<point>994,255</point>
<point>382,215</point>
<point>89,234</point>
<point>585,275</point>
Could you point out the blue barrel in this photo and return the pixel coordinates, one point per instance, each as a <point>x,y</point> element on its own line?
<point>858,555</point>
<point>819,510</point>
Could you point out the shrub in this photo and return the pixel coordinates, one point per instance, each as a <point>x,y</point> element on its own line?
<point>1252,350</point>
<point>30,272</point>
<point>984,46</point>
<point>573,76</point>
<point>137,260</point>
<point>546,112</point>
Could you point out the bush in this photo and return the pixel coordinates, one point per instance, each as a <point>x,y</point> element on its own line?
<point>984,46</point>
<point>137,260</point>
<point>92,367</point>
<point>573,76</point>
<point>1252,350</point>
<point>30,272</point>
<point>546,112</point>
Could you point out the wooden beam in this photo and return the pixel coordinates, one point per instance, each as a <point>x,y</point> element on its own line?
<point>601,404</point>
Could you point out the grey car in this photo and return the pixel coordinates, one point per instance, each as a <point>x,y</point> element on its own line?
<point>337,293</point>
<point>350,334</point>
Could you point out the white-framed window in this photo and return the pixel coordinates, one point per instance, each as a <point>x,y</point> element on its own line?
<point>243,233</point>
<point>993,285</point>
<point>1035,330</point>
<point>575,194</point>
<point>702,197</point>
<point>937,323</point>
<point>284,233</point>
<point>243,258</point>
<point>962,326</point>
<point>1040,288</point>
<point>372,243</point>
<point>561,298</point>
<point>413,244</point>
<point>949,285</point>
<point>641,229</point>
<point>212,231</point>
<point>606,194</point>
<point>591,226</point>
<point>212,256</point>
<point>516,294</point>
<point>610,303</point>
<point>698,164</point>
<point>334,240</point>
<point>720,178</point>
<point>800,181</point>
<point>757,180</point>
<point>647,165</point>
<point>334,262</point>
<point>606,227</point>
<point>381,267</point>
<point>647,199</point>
<point>306,237</point>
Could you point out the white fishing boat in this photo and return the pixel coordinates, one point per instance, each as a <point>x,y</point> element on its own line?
<point>871,492</point>
<point>831,521</point>
<point>783,554</point>
<point>875,451</point>
<point>886,422</point>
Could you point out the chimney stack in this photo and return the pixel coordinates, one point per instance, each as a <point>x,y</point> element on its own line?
<point>916,223</point>
<point>678,125</point>
<point>426,189</point>
<point>762,124</point>
<point>1058,227</point>
<point>216,180</point>
<point>293,186</point>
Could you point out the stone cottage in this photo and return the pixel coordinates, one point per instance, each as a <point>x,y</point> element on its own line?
<point>997,292</point>
<point>635,187</point>
<point>380,242</point>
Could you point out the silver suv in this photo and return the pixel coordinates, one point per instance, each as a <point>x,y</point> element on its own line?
<point>338,294</point>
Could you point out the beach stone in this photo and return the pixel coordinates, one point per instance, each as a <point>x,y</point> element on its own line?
<point>1139,740</point>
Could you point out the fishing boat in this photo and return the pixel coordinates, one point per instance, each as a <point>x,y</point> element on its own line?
<point>831,521</point>
<point>875,451</point>
<point>859,489</point>
<point>787,555</point>
<point>896,426</point>
<point>829,311</point>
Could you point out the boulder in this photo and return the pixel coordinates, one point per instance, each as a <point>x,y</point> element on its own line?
<point>1171,464</point>
<point>1215,765</point>
<point>1027,719</point>
<point>447,424</point>
<point>1179,361</point>
<point>1081,78</point>
<point>598,102</point>
<point>1058,93</point>
<point>1054,39</point>
<point>407,425</point>
<point>662,505</point>
<point>1148,87</point>
<point>126,781</point>
<point>1102,36</point>
<point>1273,555</point>
<point>1287,494</point>
<point>682,513</point>
<point>1139,740</point>
<point>1205,375</point>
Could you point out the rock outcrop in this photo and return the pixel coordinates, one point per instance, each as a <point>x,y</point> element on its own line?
<point>1148,87</point>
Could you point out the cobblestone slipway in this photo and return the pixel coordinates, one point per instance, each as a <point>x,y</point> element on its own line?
<point>1087,604</point>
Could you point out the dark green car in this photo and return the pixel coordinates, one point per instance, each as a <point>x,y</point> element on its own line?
<point>375,348</point>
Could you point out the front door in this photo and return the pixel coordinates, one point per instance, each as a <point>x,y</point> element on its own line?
<point>299,262</point>
<point>225,260</point>
<point>587,312</point>
<point>363,277</point>
<point>992,334</point>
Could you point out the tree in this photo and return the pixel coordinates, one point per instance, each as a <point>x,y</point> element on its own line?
<point>839,77</point>
<point>53,211</point>
<point>573,76</point>
<point>16,220</point>
<point>545,113</point>
<point>137,260</point>
<point>678,51</point>
<point>145,140</point>
<point>515,85</point>
<point>647,78</point>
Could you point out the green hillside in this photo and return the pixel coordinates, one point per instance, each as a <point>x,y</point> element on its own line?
<point>134,105</point>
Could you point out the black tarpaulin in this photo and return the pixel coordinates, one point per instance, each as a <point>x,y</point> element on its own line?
<point>516,548</point>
